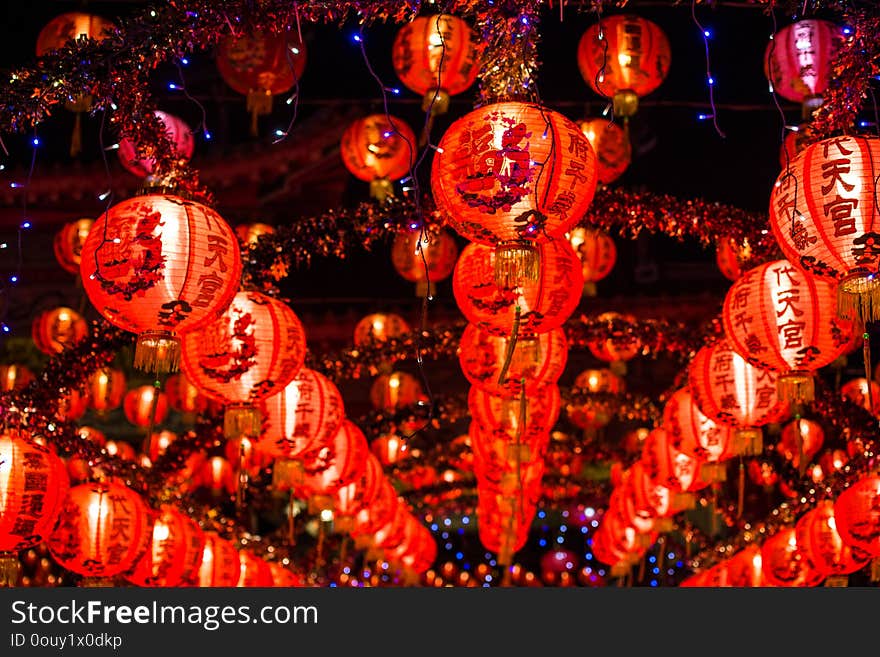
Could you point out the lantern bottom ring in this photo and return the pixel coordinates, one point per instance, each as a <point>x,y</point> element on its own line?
<point>157,352</point>
<point>858,296</point>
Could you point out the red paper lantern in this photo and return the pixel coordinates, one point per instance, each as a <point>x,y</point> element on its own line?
<point>528,422</point>
<point>73,405</point>
<point>669,466</point>
<point>106,387</point>
<point>534,360</point>
<point>379,149</point>
<point>782,563</point>
<point>360,493</point>
<point>543,304</point>
<point>331,466</point>
<point>597,253</point>
<point>284,577</point>
<point>821,545</point>
<point>217,476</point>
<point>74,25</point>
<point>58,329</point>
<point>250,233</point>
<point>379,327</point>
<point>436,56</point>
<point>857,515</point>
<point>800,438</point>
<point>729,390</point>
<point>68,244</point>
<point>509,175</point>
<point>779,318</point>
<point>594,413</point>
<point>103,529</point>
<point>798,61</point>
<point>389,449</point>
<point>745,568</point>
<point>652,497</point>
<point>253,351</point>
<point>729,254</point>
<point>306,414</point>
<point>261,65</point>
<point>693,433</point>
<point>619,346</point>
<point>823,215</point>
<point>391,392</point>
<point>14,377</point>
<point>180,135</point>
<point>254,571</point>
<point>220,565</point>
<point>145,405</point>
<point>424,258</point>
<point>856,391</point>
<point>160,266</point>
<point>612,146</point>
<point>174,554</point>
<point>183,396</point>
<point>624,57</point>
<point>157,443</point>
<point>368,519</point>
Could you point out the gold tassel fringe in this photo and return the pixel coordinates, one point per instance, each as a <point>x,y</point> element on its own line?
<point>10,568</point>
<point>748,441</point>
<point>516,263</point>
<point>684,501</point>
<point>157,352</point>
<point>241,420</point>
<point>97,582</point>
<point>713,472</point>
<point>858,298</point>
<point>259,102</point>
<point>663,525</point>
<point>797,387</point>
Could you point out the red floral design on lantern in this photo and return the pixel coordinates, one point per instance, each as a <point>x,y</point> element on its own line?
<point>693,433</point>
<point>174,554</point>
<point>58,329</point>
<point>178,132</point>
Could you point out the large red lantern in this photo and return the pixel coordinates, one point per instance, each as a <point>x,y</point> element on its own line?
<point>180,135</point>
<point>624,57</point>
<point>857,515</point>
<point>612,146</point>
<point>106,387</point>
<point>33,485</point>
<point>145,406</point>
<point>779,318</point>
<point>670,467</point>
<point>338,463</point>
<point>103,529</point>
<point>821,545</point>
<point>159,266</point>
<point>534,306</point>
<point>68,243</point>
<point>824,216</point>
<point>532,361</point>
<point>58,329</point>
<point>220,565</point>
<point>798,61</point>
<point>436,56</point>
<point>597,254</point>
<point>693,433</point>
<point>379,149</point>
<point>509,175</point>
<point>261,65</point>
<point>729,390</point>
<point>253,351</point>
<point>783,564</point>
<point>424,258</point>
<point>306,413</point>
<point>174,554</point>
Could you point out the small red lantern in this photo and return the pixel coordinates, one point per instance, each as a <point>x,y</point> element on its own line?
<point>73,405</point>
<point>183,396</point>
<point>597,254</point>
<point>145,406</point>
<point>857,515</point>
<point>624,57</point>
<point>261,65</point>
<point>436,56</point>
<point>68,244</point>
<point>220,565</point>
<point>525,422</point>
<point>379,149</point>
<point>58,329</point>
<point>180,135</point>
<point>781,319</point>
<point>103,529</point>
<point>157,443</point>
<point>360,493</point>
<point>174,554</point>
<point>792,145</point>
<point>745,568</point>
<point>120,449</point>
<point>160,266</point>
<point>693,433</point>
<point>594,413</point>
<point>783,564</point>
<point>856,391</point>
<point>798,61</point>
<point>284,577</point>
<point>510,175</point>
<point>106,388</point>
<point>389,449</point>
<point>250,233</point>
<point>253,351</point>
<point>329,467</point>
<point>619,346</point>
<point>669,466</point>
<point>217,476</point>
<point>391,392</point>
<point>424,258</point>
<point>534,306</point>
<point>821,545</point>
<point>533,360</point>
<point>14,377</point>
<point>729,255</point>
<point>254,571</point>
<point>379,327</point>
<point>612,146</point>
<point>800,438</point>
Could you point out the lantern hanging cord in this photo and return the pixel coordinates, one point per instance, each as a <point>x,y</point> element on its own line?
<point>511,346</point>
<point>710,80</point>
<point>775,96</point>
<point>294,98</point>
<point>429,111</point>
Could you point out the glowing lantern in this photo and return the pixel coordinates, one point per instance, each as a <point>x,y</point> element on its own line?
<point>183,396</point>
<point>14,377</point>
<point>389,449</point>
<point>857,517</point>
<point>217,476</point>
<point>380,327</point>
<point>500,367</point>
<point>612,146</point>
<point>60,32</point>
<point>745,568</point>
<point>436,56</point>
<point>252,352</point>
<point>120,449</point>
<point>594,413</point>
<point>360,493</point>
<point>780,319</point>
<point>729,255</point>
<point>597,254</point>
<point>174,554</point>
<point>180,135</point>
<point>696,435</point>
<point>619,346</point>
<point>329,467</point>
<point>33,484</point>
<point>106,388</point>
<point>103,529</point>
<point>73,405</point>
<point>821,545</point>
<point>798,61</point>
<point>391,392</point>
<point>510,175</point>
<point>159,266</point>
<point>624,57</point>
<point>250,233</point>
<point>651,497</point>
<point>824,217</point>
<point>800,440</point>
<point>145,405</point>
<point>369,519</point>
<point>58,329</point>
<point>525,423</point>
<point>261,65</point>
<point>671,467</point>
<point>254,571</point>
<point>729,390</point>
<point>379,149</point>
<point>220,565</point>
<point>424,258</point>
<point>857,391</point>
<point>533,306</point>
<point>782,563</point>
<point>68,244</point>
<point>157,443</point>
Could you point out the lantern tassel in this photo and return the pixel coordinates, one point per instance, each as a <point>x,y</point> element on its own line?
<point>435,103</point>
<point>748,441</point>
<point>241,420</point>
<point>157,352</point>
<point>259,102</point>
<point>97,582</point>
<point>511,346</point>
<point>740,489</point>
<point>10,569</point>
<point>858,298</point>
<point>866,355</point>
<point>796,387</point>
<point>516,263</point>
